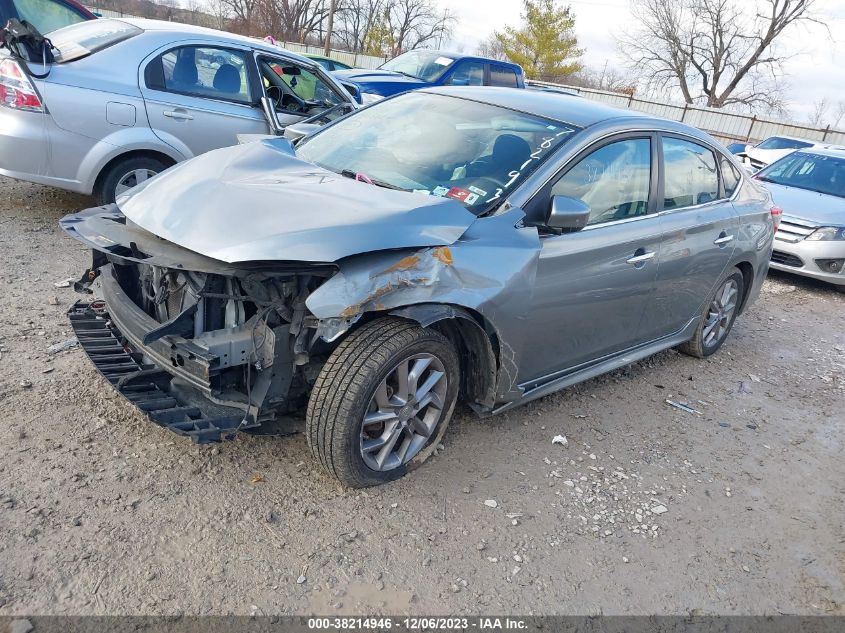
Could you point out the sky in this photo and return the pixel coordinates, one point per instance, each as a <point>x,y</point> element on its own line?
<point>816,70</point>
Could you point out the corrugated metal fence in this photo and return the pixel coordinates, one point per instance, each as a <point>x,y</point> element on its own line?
<point>728,127</point>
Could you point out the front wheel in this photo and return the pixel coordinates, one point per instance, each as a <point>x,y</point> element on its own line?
<point>718,317</point>
<point>382,402</point>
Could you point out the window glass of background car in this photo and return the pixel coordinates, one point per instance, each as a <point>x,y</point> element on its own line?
<point>614,181</point>
<point>777,142</point>
<point>690,176</point>
<point>501,76</point>
<point>216,73</point>
<point>468,74</point>
<point>824,174</point>
<point>306,85</point>
<point>730,176</point>
<point>46,15</point>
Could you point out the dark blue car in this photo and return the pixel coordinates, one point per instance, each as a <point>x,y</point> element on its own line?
<point>422,69</point>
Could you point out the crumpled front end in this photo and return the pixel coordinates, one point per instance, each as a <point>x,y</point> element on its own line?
<point>205,348</point>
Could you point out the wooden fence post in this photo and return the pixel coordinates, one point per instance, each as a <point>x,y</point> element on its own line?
<point>751,128</point>
<point>826,132</point>
<point>684,113</point>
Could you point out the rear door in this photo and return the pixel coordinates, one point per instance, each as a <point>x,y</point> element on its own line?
<point>199,97</point>
<point>699,234</point>
<point>594,285</point>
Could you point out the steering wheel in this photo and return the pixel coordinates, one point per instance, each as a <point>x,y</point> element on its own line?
<point>275,94</point>
<point>292,103</point>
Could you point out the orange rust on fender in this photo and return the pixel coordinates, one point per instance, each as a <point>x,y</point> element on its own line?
<point>405,263</point>
<point>443,254</point>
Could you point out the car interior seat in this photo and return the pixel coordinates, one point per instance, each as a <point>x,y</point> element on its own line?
<point>227,79</point>
<point>185,73</point>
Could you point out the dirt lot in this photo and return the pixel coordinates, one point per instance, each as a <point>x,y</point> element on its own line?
<point>103,512</point>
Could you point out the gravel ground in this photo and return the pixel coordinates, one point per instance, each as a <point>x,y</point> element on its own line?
<point>648,509</point>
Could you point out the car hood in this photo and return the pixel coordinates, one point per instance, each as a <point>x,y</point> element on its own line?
<point>259,202</point>
<point>767,156</point>
<point>377,78</point>
<point>820,208</point>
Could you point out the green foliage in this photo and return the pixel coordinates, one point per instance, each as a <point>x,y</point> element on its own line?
<point>545,45</point>
<point>379,40</point>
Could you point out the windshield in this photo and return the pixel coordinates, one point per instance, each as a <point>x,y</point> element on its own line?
<point>436,145</point>
<point>423,65</point>
<point>80,40</point>
<point>776,142</point>
<point>814,172</point>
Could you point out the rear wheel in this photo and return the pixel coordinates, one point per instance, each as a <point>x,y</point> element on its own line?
<point>718,318</point>
<point>125,174</point>
<point>382,402</point>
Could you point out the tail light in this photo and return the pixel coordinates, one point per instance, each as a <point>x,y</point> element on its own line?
<point>16,90</point>
<point>776,212</point>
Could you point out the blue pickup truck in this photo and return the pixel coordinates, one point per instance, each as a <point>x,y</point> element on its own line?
<point>421,69</point>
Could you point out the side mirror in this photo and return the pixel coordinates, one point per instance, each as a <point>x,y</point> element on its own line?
<point>568,214</point>
<point>269,109</point>
<point>293,71</point>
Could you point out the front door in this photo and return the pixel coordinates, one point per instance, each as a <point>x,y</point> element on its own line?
<point>594,286</point>
<point>199,98</point>
<point>699,230</point>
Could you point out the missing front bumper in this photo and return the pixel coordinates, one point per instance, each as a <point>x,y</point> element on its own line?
<point>147,385</point>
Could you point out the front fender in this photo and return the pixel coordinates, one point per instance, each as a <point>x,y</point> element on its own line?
<point>490,270</point>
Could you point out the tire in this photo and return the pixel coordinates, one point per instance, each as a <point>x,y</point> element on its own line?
<point>118,173</point>
<point>703,343</point>
<point>346,391</point>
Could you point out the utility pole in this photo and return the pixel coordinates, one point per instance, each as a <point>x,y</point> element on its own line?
<point>328,47</point>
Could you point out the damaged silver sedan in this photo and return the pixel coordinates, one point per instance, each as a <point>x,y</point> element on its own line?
<point>486,244</point>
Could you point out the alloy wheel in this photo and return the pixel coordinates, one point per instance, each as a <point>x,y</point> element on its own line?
<point>720,314</point>
<point>404,412</point>
<point>132,179</point>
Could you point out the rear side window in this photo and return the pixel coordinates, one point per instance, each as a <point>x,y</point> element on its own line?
<point>87,38</point>
<point>730,176</point>
<point>214,73</point>
<point>690,176</point>
<point>501,76</point>
<point>47,15</point>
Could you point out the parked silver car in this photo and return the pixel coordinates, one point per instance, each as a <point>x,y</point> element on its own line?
<point>809,185</point>
<point>125,99</point>
<point>489,243</point>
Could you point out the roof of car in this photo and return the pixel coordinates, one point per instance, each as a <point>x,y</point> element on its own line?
<point>201,31</point>
<point>457,56</point>
<point>834,151</point>
<point>558,106</point>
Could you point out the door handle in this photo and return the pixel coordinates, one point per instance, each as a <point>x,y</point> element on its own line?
<point>641,258</point>
<point>179,115</point>
<point>723,239</point>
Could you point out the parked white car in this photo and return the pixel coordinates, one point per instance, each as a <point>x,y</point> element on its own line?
<point>121,100</point>
<point>755,157</point>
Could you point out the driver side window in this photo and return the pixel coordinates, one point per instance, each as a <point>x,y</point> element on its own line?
<point>296,81</point>
<point>614,181</point>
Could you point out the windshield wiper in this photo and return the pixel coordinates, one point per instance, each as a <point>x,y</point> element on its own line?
<point>402,72</point>
<point>348,173</point>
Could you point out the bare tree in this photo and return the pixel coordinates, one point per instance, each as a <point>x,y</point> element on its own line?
<point>413,23</point>
<point>818,114</point>
<point>355,21</point>
<point>291,20</point>
<point>493,48</point>
<point>716,52</point>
